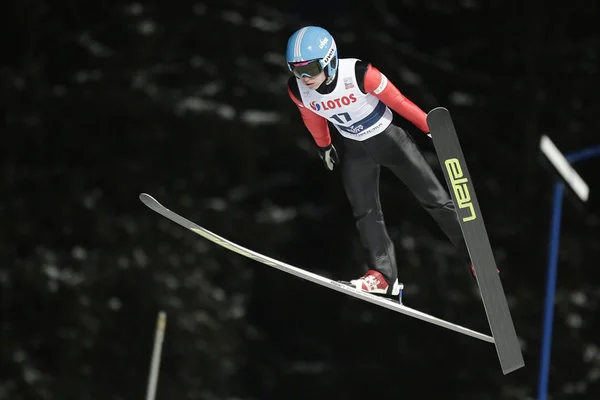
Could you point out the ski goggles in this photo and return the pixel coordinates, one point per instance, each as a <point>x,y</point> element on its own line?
<point>306,68</point>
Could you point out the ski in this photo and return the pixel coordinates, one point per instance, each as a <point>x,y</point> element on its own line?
<point>387,303</point>
<point>460,184</point>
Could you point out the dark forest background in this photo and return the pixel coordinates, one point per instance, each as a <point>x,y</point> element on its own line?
<point>187,101</point>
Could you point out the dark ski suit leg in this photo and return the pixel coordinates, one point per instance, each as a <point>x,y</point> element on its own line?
<point>396,150</point>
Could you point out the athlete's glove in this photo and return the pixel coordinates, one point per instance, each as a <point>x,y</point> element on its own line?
<point>329,156</point>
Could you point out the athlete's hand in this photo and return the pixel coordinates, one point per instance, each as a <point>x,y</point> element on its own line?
<point>329,156</point>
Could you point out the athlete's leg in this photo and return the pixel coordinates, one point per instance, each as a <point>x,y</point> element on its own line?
<point>360,176</point>
<point>396,150</point>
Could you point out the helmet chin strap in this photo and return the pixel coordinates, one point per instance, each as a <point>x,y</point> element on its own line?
<point>329,79</point>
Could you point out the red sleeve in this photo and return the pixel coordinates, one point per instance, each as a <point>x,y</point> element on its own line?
<point>378,84</point>
<point>316,125</point>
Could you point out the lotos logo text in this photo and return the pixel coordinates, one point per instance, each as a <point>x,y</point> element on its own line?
<point>331,104</point>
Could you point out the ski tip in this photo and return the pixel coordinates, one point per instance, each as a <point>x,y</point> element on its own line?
<point>438,110</point>
<point>146,198</point>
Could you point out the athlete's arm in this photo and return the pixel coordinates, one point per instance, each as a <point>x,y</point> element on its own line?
<point>316,125</point>
<point>378,84</point>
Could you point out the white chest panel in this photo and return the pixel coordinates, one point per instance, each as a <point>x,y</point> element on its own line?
<point>356,115</point>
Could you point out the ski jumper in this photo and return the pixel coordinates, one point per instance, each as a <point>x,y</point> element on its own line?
<point>359,104</point>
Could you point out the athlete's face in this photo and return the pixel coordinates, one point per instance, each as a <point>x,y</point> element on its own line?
<point>315,81</point>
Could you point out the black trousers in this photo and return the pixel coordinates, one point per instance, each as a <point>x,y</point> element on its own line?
<point>360,167</point>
